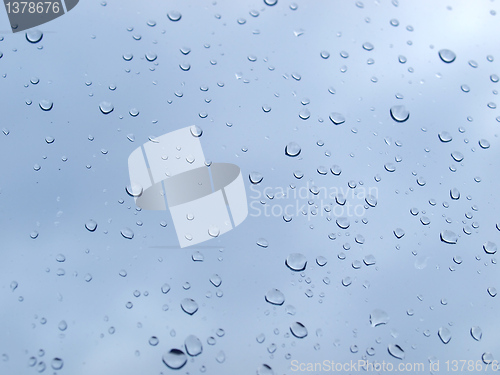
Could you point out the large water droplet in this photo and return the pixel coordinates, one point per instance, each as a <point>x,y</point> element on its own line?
<point>292,149</point>
<point>196,131</point>
<point>337,118</point>
<point>270,2</point>
<point>275,297</point>
<point>492,291</point>
<point>487,358</point>
<point>396,351</point>
<point>46,105</point>
<point>296,262</point>
<point>106,107</point>
<point>189,306</point>
<point>174,15</point>
<point>127,233</point>
<point>371,200</point>
<point>490,247</point>
<point>378,317</point>
<point>447,56</point>
<point>298,330</point>
<point>174,359</point>
<point>255,177</point>
<point>454,194</point>
<point>444,136</point>
<point>399,233</point>
<point>57,363</point>
<point>216,280</point>
<point>91,225</point>
<point>193,345</point>
<point>399,113</point>
<point>457,156</point>
<point>447,236</point>
<point>444,334</point>
<point>483,143</point>
<point>34,36</point>
<point>476,333</point>
<point>343,222</point>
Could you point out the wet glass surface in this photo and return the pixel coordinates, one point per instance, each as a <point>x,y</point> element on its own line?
<point>366,134</point>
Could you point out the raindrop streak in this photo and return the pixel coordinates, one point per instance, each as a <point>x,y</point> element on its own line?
<point>292,149</point>
<point>189,306</point>
<point>396,351</point>
<point>447,236</point>
<point>296,262</point>
<point>378,317</point>
<point>275,297</point>
<point>298,330</point>
<point>444,334</point>
<point>193,345</point>
<point>399,113</point>
<point>447,56</point>
<point>174,359</point>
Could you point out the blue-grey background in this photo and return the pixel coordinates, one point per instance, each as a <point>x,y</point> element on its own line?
<point>82,176</point>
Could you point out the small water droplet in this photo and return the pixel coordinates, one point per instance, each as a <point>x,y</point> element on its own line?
<point>444,136</point>
<point>106,107</point>
<point>337,118</point>
<point>396,351</point>
<point>490,247</point>
<point>174,15</point>
<point>447,236</point>
<point>378,317</point>
<point>444,334</point>
<point>127,233</point>
<point>91,225</point>
<point>262,242</point>
<point>476,333</point>
<point>255,177</point>
<point>292,149</point>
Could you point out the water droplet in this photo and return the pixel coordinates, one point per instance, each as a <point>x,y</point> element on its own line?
<point>490,247</point>
<point>454,194</point>
<point>371,200</point>
<point>174,15</point>
<point>483,143</point>
<point>262,242</point>
<point>324,54</point>
<point>465,88</point>
<point>270,2</point>
<point>399,233</point>
<point>193,345</point>
<point>265,369</point>
<point>185,66</point>
<point>106,107</point>
<point>447,56</point>
<point>336,170</point>
<point>444,334</point>
<point>390,167</point>
<point>444,136</point>
<point>399,113</point>
<point>46,105</point>
<point>337,118</point>
<point>34,36</point>
<point>174,359</point>
<point>343,222</point>
<point>368,46</point>
<point>492,291</point>
<point>396,351</point>
<point>134,112</point>
<point>216,280</point>
<point>153,341</point>
<point>487,358</point>
<point>369,260</point>
<point>321,261</point>
<point>189,306</point>
<point>304,114</point>
<point>296,262</point>
<point>62,325</point>
<point>298,330</point>
<point>151,56</point>
<point>292,149</point>
<point>128,56</point>
<point>57,363</point>
<point>378,317</point>
<point>127,233</point>
<point>447,236</point>
<point>457,156</point>
<point>476,333</point>
<point>134,190</point>
<point>255,177</point>
<point>91,225</point>
<point>275,297</point>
